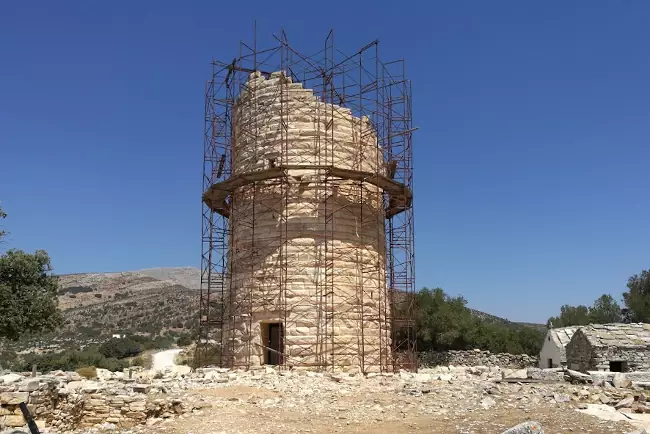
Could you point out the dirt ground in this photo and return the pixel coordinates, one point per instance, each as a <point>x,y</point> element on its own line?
<point>242,410</point>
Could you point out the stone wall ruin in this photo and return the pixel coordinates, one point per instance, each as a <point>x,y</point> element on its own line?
<point>475,358</point>
<point>65,401</point>
<point>583,357</point>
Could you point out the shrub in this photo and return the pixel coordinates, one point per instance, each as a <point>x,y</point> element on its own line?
<point>154,343</point>
<point>69,360</point>
<point>75,290</point>
<point>88,332</point>
<point>186,357</point>
<point>88,372</point>
<point>7,357</point>
<point>120,348</point>
<point>144,360</point>
<point>184,341</point>
<point>204,356</point>
<point>113,364</point>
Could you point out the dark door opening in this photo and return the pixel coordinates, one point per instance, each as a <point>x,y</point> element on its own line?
<point>618,366</point>
<point>550,363</point>
<point>275,344</point>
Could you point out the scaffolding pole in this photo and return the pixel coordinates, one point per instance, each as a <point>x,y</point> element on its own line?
<point>356,279</point>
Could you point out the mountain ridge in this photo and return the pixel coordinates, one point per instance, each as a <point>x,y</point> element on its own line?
<point>159,301</point>
<point>84,289</point>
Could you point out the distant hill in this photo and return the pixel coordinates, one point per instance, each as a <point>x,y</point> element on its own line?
<point>495,319</point>
<point>150,301</point>
<point>97,305</point>
<point>85,289</point>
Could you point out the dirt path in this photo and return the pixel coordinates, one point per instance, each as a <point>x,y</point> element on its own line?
<point>164,359</point>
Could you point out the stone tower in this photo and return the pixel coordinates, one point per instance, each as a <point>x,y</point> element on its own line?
<point>307,252</point>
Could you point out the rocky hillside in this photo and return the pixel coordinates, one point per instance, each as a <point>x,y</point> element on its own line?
<point>496,319</point>
<point>78,290</point>
<point>150,301</point>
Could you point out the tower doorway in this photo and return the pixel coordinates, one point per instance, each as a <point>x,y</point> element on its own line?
<point>273,341</point>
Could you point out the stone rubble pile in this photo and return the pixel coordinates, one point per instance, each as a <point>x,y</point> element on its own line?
<point>626,392</point>
<point>64,401</point>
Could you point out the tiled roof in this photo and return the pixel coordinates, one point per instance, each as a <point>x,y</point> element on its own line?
<point>563,335</point>
<point>618,335</point>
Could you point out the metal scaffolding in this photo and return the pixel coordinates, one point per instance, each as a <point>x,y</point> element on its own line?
<point>370,88</point>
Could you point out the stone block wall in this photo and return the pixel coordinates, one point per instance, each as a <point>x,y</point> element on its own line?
<point>638,359</point>
<point>67,402</point>
<point>579,353</point>
<point>327,233</point>
<point>476,358</point>
<point>583,356</point>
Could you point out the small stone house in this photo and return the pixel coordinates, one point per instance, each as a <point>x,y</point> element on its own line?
<point>610,347</point>
<point>553,353</point>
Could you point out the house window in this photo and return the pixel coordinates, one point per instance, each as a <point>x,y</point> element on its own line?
<point>618,366</point>
<point>550,363</point>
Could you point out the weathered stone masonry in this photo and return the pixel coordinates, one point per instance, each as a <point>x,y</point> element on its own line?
<point>327,233</point>
<point>66,402</point>
<point>600,347</point>
<point>476,358</point>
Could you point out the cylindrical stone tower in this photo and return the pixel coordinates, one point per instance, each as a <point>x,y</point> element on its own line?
<point>307,250</point>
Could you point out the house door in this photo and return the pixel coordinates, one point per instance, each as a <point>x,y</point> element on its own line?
<point>618,366</point>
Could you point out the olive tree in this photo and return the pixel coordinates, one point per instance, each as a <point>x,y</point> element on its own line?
<point>28,293</point>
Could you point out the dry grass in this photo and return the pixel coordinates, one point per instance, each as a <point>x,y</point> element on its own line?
<point>88,372</point>
<point>144,360</point>
<point>186,357</point>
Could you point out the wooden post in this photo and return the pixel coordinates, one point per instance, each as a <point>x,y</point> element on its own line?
<point>29,419</point>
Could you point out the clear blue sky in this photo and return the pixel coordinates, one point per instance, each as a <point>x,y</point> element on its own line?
<point>532,176</point>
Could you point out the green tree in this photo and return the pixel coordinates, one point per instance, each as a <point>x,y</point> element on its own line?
<point>441,320</point>
<point>637,298</point>
<point>570,316</point>
<point>445,323</point>
<point>28,294</point>
<point>2,216</point>
<point>530,339</point>
<point>184,340</point>
<point>120,348</point>
<point>605,310</point>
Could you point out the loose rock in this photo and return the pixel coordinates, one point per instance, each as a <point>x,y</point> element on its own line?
<point>625,403</point>
<point>621,381</point>
<point>525,428</point>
